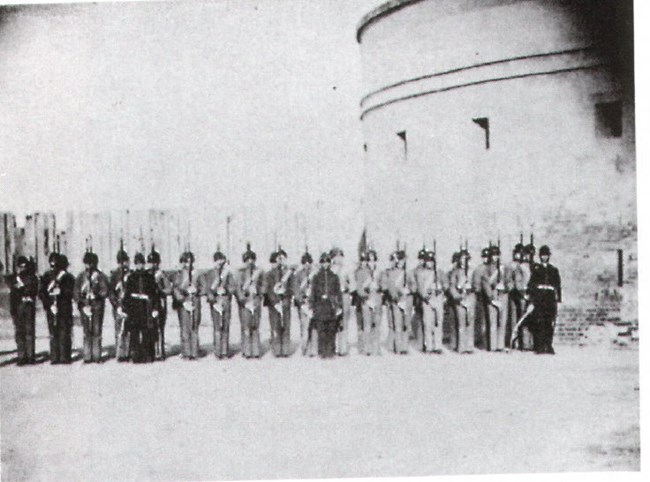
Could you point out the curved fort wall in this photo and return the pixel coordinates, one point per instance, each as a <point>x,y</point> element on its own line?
<point>545,83</point>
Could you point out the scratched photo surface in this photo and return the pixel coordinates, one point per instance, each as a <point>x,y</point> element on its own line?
<point>308,239</point>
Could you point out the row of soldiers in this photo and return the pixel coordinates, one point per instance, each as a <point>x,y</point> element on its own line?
<point>513,302</point>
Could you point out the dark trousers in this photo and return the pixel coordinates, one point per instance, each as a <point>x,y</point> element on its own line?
<point>280,329</point>
<point>24,329</point>
<point>160,338</point>
<point>92,326</point>
<point>142,347</point>
<point>60,327</point>
<point>544,323</point>
<point>327,331</point>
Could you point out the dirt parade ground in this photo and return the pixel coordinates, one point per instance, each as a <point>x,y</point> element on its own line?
<point>355,416</point>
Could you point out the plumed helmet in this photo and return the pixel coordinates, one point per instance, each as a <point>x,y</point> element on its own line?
<point>218,255</point>
<point>325,257</point>
<point>464,253</point>
<point>90,258</point>
<point>455,257</point>
<point>529,249</point>
<point>519,248</point>
<point>334,252</point>
<point>306,258</point>
<point>52,257</point>
<point>422,254</point>
<point>61,262</point>
<point>22,260</point>
<point>371,255</point>
<point>139,258</point>
<point>281,252</point>
<point>431,256</point>
<point>248,254</point>
<point>274,257</point>
<point>186,257</point>
<point>485,253</point>
<point>400,254</point>
<point>495,251</point>
<point>122,256</point>
<point>545,251</point>
<point>153,257</point>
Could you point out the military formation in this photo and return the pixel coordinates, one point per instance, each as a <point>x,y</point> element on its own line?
<point>497,306</point>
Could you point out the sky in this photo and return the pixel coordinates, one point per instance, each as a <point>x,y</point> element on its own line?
<point>156,105</point>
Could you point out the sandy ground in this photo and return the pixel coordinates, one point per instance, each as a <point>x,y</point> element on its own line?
<point>309,418</point>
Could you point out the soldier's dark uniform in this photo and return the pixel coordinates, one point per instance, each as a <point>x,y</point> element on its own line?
<point>117,281</point>
<point>342,343</point>
<point>326,303</point>
<point>57,292</point>
<point>22,306</point>
<point>480,276</point>
<point>279,293</point>
<point>545,293</point>
<point>462,302</point>
<point>301,289</point>
<point>493,287</point>
<point>219,284</point>
<point>249,293</point>
<point>417,329</point>
<point>91,291</point>
<point>367,297</point>
<point>187,291</point>
<point>394,284</point>
<point>165,289</point>
<point>46,281</point>
<point>142,306</point>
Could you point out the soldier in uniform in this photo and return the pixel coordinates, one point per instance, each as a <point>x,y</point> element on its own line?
<point>301,288</point>
<point>249,292</point>
<point>326,304</point>
<point>517,277</point>
<point>187,291</point>
<point>428,289</point>
<point>545,293</point>
<point>462,301</point>
<point>23,286</point>
<point>142,306</point>
<point>164,290</point>
<point>416,320</point>
<point>57,291</point>
<point>338,259</point>
<point>91,291</point>
<point>479,283</point>
<point>495,301</point>
<point>368,301</point>
<point>220,287</point>
<point>117,281</point>
<point>45,282</point>
<point>394,284</point>
<point>279,292</point>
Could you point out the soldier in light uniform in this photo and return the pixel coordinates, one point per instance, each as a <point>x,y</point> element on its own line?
<point>165,289</point>
<point>249,292</point>
<point>279,292</point>
<point>416,320</point>
<point>479,284</point>
<point>301,288</point>
<point>142,306</point>
<point>57,291</point>
<point>187,292</point>
<point>367,296</point>
<point>517,277</point>
<point>91,291</point>
<point>496,296</point>
<point>527,266</point>
<point>545,290</point>
<point>429,300</point>
<point>23,286</point>
<point>394,284</point>
<point>462,302</point>
<point>326,306</point>
<point>220,287</point>
<point>117,281</point>
<point>338,268</point>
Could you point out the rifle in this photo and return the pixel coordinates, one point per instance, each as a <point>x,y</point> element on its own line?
<point>515,331</point>
<point>435,265</point>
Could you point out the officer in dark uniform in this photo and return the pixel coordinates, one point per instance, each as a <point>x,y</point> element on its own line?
<point>57,291</point>
<point>142,306</point>
<point>91,291</point>
<point>164,290</point>
<point>326,304</point>
<point>545,293</point>
<point>117,281</point>
<point>480,282</point>
<point>23,286</point>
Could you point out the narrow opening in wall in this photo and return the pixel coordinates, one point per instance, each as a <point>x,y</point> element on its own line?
<point>484,123</point>
<point>609,119</point>
<point>402,135</point>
